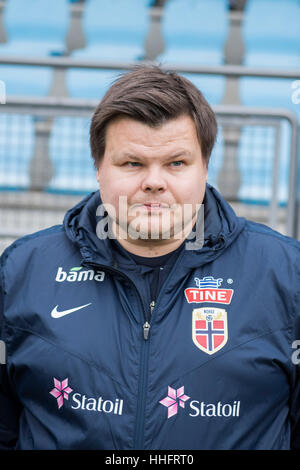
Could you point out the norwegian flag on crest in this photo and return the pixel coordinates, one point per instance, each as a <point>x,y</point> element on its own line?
<point>210,331</point>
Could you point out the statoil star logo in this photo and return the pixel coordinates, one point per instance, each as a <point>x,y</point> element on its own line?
<point>171,401</point>
<point>61,391</point>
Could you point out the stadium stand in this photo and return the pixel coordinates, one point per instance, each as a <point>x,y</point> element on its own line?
<point>35,30</point>
<point>45,154</point>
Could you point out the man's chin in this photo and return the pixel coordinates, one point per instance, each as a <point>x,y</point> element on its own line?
<point>145,233</point>
<point>151,229</point>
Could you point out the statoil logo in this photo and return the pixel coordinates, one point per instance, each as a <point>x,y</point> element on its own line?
<point>78,401</point>
<point>177,399</point>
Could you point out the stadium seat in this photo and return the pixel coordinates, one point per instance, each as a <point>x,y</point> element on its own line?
<point>33,25</point>
<point>256,152</point>
<point>271,36</point>
<point>194,33</point>
<point>71,157</point>
<point>114,31</point>
<point>32,29</point>
<point>16,150</point>
<point>272,39</point>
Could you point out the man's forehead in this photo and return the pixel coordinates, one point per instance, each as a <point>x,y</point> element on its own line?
<point>183,121</point>
<point>128,136</point>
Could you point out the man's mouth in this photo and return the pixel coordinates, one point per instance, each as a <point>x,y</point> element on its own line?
<point>154,206</point>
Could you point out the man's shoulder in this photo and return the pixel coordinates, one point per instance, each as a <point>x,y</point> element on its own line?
<point>25,245</point>
<point>262,234</point>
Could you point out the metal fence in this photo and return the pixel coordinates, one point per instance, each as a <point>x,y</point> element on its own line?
<point>46,167</point>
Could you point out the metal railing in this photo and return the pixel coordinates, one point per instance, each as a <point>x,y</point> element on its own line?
<point>49,208</point>
<point>224,70</point>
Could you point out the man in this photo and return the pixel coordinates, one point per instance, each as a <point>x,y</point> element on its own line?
<point>131,327</point>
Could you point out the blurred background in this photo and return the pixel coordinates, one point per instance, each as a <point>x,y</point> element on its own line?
<point>58,57</point>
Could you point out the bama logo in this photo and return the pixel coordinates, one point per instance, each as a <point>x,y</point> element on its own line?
<point>177,398</point>
<point>62,391</point>
<point>78,274</point>
<point>208,291</point>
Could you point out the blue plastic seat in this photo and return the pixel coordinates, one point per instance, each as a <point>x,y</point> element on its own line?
<point>36,25</point>
<point>89,84</point>
<point>114,31</point>
<point>71,157</point>
<point>256,152</point>
<point>194,33</point>
<point>271,32</point>
<point>16,150</point>
<point>32,29</point>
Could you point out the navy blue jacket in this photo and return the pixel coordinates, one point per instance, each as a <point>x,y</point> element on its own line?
<point>92,364</point>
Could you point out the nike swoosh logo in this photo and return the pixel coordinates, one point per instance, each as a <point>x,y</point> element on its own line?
<point>56,314</point>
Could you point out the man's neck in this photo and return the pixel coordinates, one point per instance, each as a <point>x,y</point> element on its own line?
<point>148,248</point>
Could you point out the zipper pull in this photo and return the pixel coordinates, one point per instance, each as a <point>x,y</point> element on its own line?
<point>152,305</point>
<point>146,328</point>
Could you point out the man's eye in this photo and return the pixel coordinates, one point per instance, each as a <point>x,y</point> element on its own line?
<point>132,163</point>
<point>177,163</point>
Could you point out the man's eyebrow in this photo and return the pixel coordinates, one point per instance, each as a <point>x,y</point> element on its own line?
<point>119,156</point>
<point>181,153</point>
<point>133,156</point>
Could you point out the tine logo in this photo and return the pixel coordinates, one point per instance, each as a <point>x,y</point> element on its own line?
<point>208,291</point>
<point>56,314</point>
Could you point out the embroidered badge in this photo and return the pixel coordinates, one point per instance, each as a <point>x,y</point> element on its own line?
<point>209,329</point>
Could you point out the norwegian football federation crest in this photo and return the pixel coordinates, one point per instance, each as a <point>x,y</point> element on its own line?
<point>210,332</point>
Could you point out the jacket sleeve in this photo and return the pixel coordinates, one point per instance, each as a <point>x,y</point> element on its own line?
<point>10,408</point>
<point>295,397</point>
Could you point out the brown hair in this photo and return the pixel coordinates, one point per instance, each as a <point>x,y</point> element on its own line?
<point>153,96</point>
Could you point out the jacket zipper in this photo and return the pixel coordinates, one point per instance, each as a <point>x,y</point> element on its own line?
<point>143,375</point>
<point>142,391</point>
<point>139,437</point>
<point>147,325</point>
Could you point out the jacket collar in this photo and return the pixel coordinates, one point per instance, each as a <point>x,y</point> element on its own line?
<point>221,228</point>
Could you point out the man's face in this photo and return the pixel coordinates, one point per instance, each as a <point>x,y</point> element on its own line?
<point>159,170</point>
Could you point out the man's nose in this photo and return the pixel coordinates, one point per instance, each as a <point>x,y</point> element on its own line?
<point>154,180</point>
